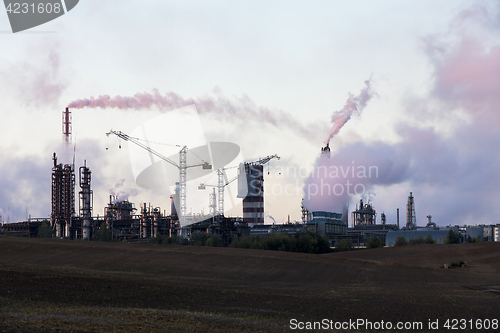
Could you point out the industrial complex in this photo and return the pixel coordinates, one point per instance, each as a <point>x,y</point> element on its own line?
<point>129,223</point>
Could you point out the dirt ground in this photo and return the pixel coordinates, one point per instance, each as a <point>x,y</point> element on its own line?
<point>81,286</point>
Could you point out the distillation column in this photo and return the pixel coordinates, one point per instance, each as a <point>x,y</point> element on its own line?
<point>85,201</point>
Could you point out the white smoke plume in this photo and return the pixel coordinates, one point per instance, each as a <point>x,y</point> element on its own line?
<point>4,215</point>
<point>242,108</point>
<point>353,104</point>
<point>121,193</point>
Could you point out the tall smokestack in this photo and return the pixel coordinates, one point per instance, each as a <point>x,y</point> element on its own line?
<point>67,126</point>
<point>397,212</point>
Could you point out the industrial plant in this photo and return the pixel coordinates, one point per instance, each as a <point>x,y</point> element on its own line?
<point>129,223</point>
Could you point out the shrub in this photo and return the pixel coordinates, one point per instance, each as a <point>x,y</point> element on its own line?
<point>157,240</point>
<point>311,243</point>
<point>400,241</point>
<point>375,242</point>
<point>344,245</point>
<point>213,241</point>
<point>45,230</point>
<point>104,234</point>
<point>452,238</point>
<point>172,240</point>
<point>416,241</point>
<point>300,242</point>
<point>198,238</point>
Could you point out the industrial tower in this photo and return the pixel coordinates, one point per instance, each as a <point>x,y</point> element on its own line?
<point>66,126</point>
<point>251,189</point>
<point>411,217</point>
<point>86,201</point>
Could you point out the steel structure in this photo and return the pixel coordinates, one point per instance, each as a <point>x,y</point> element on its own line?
<point>67,128</point>
<point>86,201</point>
<point>365,215</point>
<point>217,200</point>
<point>411,217</point>
<point>182,166</point>
<point>63,198</point>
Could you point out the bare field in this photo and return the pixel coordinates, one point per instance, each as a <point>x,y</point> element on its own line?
<point>76,286</point>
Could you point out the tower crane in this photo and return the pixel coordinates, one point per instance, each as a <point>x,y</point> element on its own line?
<point>221,184</point>
<point>182,166</point>
<point>264,160</point>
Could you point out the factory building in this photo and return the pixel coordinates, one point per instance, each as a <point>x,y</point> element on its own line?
<point>225,228</point>
<point>437,234</point>
<point>288,228</point>
<point>327,224</point>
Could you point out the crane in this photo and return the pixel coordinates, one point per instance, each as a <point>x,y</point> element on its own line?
<point>221,185</point>
<point>182,166</point>
<point>264,160</point>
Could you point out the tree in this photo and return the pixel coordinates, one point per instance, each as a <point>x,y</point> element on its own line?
<point>104,234</point>
<point>452,238</point>
<point>429,240</point>
<point>375,242</point>
<point>45,230</point>
<point>400,241</point>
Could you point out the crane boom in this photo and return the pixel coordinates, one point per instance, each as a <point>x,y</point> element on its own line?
<point>125,137</point>
<point>264,160</point>
<point>182,166</point>
<point>221,185</point>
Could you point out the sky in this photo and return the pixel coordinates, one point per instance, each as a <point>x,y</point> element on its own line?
<point>409,90</point>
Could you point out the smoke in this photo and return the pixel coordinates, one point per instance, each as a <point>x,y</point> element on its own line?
<point>353,104</point>
<point>121,193</point>
<point>451,167</point>
<point>353,171</point>
<point>238,108</point>
<point>5,216</point>
<point>36,83</point>
<point>25,186</point>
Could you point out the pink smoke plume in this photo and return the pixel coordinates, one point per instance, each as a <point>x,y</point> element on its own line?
<point>242,108</point>
<point>353,103</point>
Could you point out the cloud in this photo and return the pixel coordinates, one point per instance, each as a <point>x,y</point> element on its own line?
<point>452,174</point>
<point>36,83</point>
